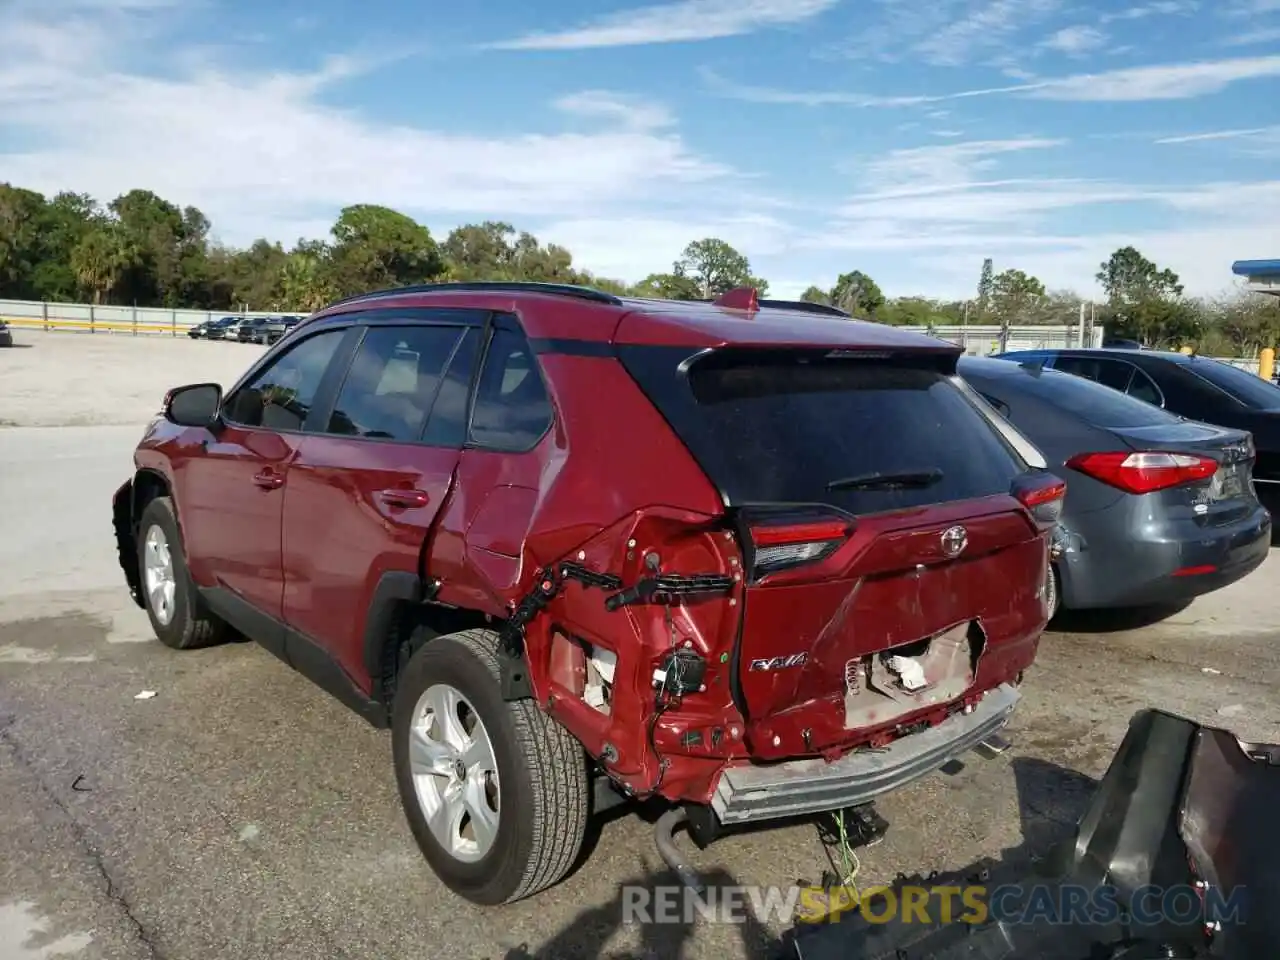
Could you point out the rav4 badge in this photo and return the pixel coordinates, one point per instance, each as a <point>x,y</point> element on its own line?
<point>780,663</point>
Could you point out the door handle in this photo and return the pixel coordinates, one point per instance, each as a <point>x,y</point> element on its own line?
<point>268,480</point>
<point>400,497</point>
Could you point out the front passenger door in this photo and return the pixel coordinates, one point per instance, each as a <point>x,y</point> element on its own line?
<point>230,497</point>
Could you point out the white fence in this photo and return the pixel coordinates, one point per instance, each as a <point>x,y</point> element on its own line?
<point>159,321</point>
<point>89,318</point>
<point>981,340</point>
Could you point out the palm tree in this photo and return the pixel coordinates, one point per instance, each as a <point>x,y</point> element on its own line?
<point>102,258</point>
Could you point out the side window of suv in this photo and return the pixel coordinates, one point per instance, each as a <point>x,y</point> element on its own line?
<point>280,396</point>
<point>392,382</point>
<point>512,410</point>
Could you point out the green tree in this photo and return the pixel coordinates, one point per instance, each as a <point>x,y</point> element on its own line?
<point>1246,323</point>
<point>858,294</point>
<point>1128,277</point>
<point>1015,296</point>
<point>63,224</point>
<point>103,258</point>
<point>917,312</point>
<point>815,295</point>
<point>21,212</point>
<point>986,281</point>
<point>376,247</point>
<point>714,267</point>
<point>668,286</point>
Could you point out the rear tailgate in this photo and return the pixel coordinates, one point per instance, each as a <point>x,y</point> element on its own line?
<point>876,508</point>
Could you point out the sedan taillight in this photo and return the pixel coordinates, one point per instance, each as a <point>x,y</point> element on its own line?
<point>1145,471</point>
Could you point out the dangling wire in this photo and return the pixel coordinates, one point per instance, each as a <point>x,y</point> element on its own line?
<point>848,858</point>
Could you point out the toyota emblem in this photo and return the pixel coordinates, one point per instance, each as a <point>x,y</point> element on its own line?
<point>954,540</point>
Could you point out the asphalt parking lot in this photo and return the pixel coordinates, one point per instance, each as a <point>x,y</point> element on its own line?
<point>242,813</point>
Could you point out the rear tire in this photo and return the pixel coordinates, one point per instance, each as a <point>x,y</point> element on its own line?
<point>531,807</point>
<point>178,615</point>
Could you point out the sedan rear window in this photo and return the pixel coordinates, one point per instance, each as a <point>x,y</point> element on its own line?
<point>865,435</point>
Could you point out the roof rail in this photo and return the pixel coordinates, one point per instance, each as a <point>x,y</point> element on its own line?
<point>496,286</point>
<point>806,306</point>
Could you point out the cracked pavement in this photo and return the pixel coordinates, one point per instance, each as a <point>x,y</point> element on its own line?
<point>241,813</point>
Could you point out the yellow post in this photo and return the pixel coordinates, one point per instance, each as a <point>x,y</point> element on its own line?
<point>1186,351</point>
<point>1267,363</point>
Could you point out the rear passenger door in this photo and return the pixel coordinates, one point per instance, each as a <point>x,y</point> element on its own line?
<point>502,466</point>
<point>367,486</point>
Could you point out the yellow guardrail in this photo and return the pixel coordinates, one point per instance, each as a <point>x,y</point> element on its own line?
<point>109,326</point>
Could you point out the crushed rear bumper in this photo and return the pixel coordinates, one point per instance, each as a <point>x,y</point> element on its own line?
<point>750,793</point>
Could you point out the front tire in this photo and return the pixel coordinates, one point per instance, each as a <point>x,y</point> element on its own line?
<point>178,615</point>
<point>496,792</point>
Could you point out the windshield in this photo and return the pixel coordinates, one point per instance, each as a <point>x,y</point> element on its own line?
<point>1248,388</point>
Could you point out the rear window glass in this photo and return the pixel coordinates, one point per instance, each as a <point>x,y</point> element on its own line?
<point>780,428</point>
<point>1091,402</point>
<point>1248,388</point>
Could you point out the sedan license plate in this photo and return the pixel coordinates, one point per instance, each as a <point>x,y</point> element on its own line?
<point>1228,483</point>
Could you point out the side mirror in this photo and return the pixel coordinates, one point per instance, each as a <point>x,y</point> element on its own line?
<point>195,405</point>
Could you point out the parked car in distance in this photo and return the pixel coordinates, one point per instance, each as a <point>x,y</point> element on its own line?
<point>212,329</point>
<point>604,546</point>
<point>1159,509</point>
<point>6,335</point>
<point>230,330</point>
<point>1199,388</point>
<point>250,330</point>
<point>275,328</point>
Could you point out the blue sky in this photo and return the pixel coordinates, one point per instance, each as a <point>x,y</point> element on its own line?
<point>905,139</point>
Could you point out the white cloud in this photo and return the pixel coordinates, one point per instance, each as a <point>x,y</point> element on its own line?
<point>622,108</point>
<point>684,20</point>
<point>979,26</point>
<point>1221,135</point>
<point>1161,8</point>
<point>1178,81</point>
<point>1162,82</point>
<point>651,245</point>
<point>946,208</point>
<point>263,154</point>
<point>1075,41</point>
<point>943,32</point>
<point>920,168</point>
<point>1251,37</point>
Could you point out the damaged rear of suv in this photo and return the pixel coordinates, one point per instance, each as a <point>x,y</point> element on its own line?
<point>758,559</point>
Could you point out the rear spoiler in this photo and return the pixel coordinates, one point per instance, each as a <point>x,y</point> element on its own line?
<point>1180,836</point>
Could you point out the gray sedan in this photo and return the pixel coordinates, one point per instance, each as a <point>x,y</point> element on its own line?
<point>1159,509</point>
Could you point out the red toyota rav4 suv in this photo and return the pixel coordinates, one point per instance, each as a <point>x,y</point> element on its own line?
<point>757,558</point>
